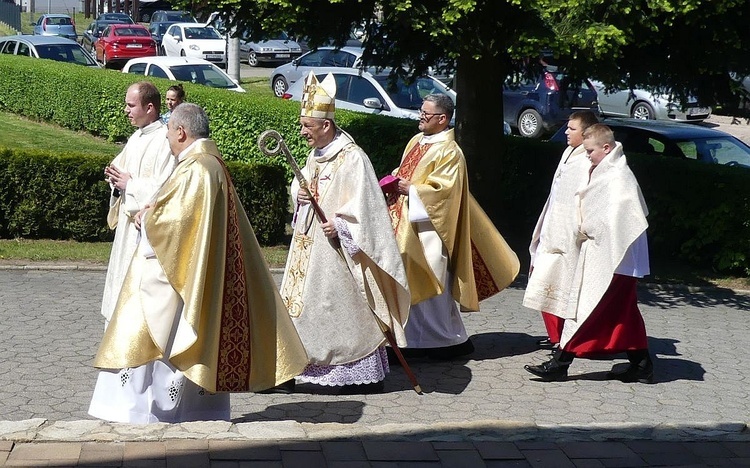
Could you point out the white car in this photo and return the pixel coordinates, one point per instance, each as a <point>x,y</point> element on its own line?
<point>362,91</point>
<point>185,69</point>
<point>286,75</point>
<point>647,105</point>
<point>195,40</point>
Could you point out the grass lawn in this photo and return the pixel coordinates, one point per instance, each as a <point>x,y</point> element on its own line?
<point>22,133</point>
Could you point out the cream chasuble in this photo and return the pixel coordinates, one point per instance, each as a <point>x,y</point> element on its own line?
<point>554,248</point>
<point>149,161</point>
<point>234,333</point>
<point>612,217</point>
<point>330,294</point>
<point>480,261</point>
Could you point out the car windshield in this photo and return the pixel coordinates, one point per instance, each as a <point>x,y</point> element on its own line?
<point>58,21</point>
<point>720,150</point>
<point>131,32</point>
<point>410,96</point>
<point>179,17</point>
<point>202,74</point>
<point>201,33</point>
<point>72,53</point>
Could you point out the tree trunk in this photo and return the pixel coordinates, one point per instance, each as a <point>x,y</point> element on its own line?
<point>479,121</point>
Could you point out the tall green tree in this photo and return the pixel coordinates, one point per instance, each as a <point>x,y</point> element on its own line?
<point>681,46</point>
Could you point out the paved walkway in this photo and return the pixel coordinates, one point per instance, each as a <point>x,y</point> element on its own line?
<point>486,411</point>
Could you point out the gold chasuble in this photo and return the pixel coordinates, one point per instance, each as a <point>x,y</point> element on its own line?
<point>481,262</point>
<point>234,333</point>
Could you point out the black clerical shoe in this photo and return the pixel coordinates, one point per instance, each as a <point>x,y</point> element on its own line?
<point>550,371</point>
<point>545,343</point>
<point>642,372</point>
<point>447,353</point>
<point>285,388</point>
<point>362,389</point>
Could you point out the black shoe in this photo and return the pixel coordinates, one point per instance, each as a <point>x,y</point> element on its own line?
<point>451,352</point>
<point>550,371</point>
<point>642,372</point>
<point>362,389</point>
<point>545,343</point>
<point>285,388</point>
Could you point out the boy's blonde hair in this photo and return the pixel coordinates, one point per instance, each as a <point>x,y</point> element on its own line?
<point>601,134</point>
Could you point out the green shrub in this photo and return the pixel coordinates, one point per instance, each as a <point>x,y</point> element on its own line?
<point>699,213</point>
<point>83,98</point>
<point>45,196</point>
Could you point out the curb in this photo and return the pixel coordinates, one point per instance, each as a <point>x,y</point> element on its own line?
<point>41,430</point>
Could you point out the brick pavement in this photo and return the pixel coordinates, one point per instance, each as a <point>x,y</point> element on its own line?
<point>695,414</point>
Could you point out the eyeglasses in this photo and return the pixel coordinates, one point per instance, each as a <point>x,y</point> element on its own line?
<point>428,115</point>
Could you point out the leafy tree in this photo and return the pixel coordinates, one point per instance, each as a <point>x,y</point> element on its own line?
<point>680,46</point>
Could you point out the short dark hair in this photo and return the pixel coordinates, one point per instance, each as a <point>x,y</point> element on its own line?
<point>587,118</point>
<point>443,103</point>
<point>148,93</point>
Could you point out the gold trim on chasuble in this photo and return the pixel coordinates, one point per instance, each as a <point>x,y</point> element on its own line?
<point>233,367</point>
<point>299,254</point>
<point>395,200</point>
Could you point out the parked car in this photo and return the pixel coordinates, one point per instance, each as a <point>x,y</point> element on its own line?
<point>157,30</point>
<point>362,91</point>
<point>122,42</point>
<point>94,32</point>
<point>47,47</point>
<point>55,25</point>
<point>644,104</point>
<point>164,16</point>
<point>115,18</point>
<point>675,139</point>
<point>280,48</point>
<point>186,69</point>
<point>534,105</point>
<point>195,40</point>
<point>283,76</point>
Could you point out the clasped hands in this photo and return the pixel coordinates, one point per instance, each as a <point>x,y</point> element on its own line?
<point>119,179</point>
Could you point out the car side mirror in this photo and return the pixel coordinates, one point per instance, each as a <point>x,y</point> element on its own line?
<point>373,103</point>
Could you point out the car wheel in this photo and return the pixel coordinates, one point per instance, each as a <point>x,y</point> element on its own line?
<point>643,111</point>
<point>279,86</point>
<point>252,59</point>
<point>145,18</point>
<point>530,124</point>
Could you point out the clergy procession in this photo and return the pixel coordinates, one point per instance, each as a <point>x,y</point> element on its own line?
<point>379,271</point>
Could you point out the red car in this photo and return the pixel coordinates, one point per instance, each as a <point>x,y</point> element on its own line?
<point>122,42</point>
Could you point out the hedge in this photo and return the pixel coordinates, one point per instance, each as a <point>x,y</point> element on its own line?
<point>64,196</point>
<point>698,213</point>
<point>91,99</point>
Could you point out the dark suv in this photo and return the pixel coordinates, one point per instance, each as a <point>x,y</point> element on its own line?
<point>168,16</point>
<point>535,105</point>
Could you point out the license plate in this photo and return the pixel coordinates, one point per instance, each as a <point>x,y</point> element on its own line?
<point>282,56</point>
<point>214,56</point>
<point>134,46</point>
<point>697,110</point>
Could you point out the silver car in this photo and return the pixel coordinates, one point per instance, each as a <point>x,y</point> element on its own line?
<point>47,47</point>
<point>286,75</point>
<point>278,49</point>
<point>647,105</point>
<point>55,25</point>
